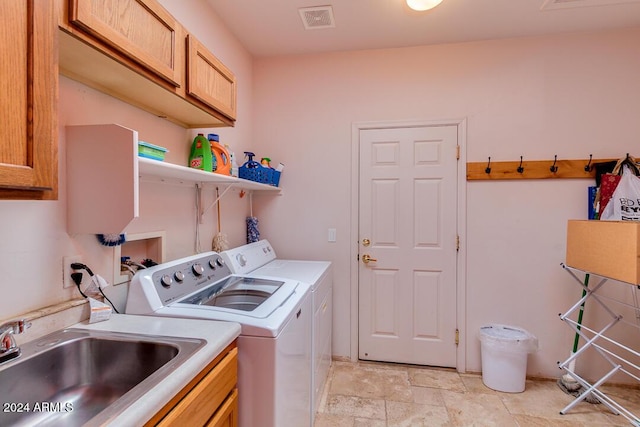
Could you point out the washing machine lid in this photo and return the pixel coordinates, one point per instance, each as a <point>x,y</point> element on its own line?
<point>253,296</point>
<point>267,320</point>
<point>240,296</point>
<point>190,281</point>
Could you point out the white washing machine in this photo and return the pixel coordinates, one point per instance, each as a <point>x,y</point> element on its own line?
<point>260,259</point>
<point>274,346</point>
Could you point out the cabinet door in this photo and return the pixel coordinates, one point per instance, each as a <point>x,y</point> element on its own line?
<point>227,415</point>
<point>28,84</point>
<point>200,404</point>
<point>208,80</point>
<point>141,29</point>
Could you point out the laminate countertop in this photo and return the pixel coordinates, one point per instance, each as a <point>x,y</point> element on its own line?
<point>218,336</point>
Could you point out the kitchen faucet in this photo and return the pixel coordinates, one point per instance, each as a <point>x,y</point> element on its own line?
<point>8,348</point>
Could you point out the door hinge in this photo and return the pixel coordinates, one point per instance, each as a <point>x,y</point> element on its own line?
<point>457,336</point>
<point>457,242</point>
<point>457,152</point>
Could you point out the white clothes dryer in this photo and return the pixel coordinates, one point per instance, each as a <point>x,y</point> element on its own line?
<point>259,258</point>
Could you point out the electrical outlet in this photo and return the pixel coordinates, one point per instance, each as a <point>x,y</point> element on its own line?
<point>66,270</point>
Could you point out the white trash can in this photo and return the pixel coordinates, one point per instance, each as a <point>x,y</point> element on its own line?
<point>504,351</point>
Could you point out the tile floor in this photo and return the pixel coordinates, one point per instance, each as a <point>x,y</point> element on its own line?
<point>385,395</point>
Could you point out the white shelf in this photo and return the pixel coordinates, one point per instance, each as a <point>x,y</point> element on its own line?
<point>170,171</point>
<point>103,178</point>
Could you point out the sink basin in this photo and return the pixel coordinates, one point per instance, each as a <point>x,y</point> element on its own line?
<point>75,377</point>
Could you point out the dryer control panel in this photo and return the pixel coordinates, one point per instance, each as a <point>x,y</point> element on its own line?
<point>244,259</point>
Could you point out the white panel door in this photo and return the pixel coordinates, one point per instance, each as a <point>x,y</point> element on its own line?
<point>408,227</point>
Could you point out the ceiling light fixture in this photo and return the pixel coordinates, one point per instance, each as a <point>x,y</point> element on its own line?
<point>422,5</point>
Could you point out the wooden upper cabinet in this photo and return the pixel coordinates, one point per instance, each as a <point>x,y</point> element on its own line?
<point>208,80</point>
<point>28,101</point>
<point>141,29</point>
<point>136,51</point>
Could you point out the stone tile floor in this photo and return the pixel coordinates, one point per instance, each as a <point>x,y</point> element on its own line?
<point>385,395</point>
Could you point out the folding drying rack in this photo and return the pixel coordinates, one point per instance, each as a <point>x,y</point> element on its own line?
<point>615,353</point>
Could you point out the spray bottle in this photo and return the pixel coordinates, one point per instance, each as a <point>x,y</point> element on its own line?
<point>250,163</point>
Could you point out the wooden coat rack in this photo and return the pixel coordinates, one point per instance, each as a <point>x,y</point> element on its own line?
<point>533,169</point>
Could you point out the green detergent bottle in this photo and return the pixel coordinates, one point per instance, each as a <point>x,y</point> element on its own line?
<point>200,157</point>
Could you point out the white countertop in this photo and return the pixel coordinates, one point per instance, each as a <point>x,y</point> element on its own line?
<point>217,334</point>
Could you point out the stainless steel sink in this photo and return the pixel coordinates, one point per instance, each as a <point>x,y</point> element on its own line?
<point>75,377</point>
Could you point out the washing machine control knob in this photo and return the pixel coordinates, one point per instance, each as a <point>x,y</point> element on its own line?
<point>212,264</point>
<point>166,281</point>
<point>242,260</point>
<point>220,262</point>
<point>179,276</point>
<point>197,269</point>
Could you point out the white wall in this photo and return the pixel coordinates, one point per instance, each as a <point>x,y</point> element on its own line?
<point>570,95</point>
<point>34,236</point>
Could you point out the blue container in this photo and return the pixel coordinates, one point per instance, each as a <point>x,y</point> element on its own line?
<point>259,173</point>
<point>254,171</point>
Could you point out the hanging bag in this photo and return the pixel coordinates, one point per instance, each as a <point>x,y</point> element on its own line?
<point>625,201</point>
<point>609,182</point>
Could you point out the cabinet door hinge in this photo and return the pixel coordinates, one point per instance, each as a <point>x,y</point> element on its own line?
<point>457,152</point>
<point>457,336</point>
<point>457,243</point>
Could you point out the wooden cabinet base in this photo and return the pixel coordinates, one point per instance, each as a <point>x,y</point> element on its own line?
<point>211,398</point>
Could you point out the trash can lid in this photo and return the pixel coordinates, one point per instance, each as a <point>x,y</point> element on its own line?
<point>504,333</point>
<point>509,336</point>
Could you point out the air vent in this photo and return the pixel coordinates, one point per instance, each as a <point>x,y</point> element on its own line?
<point>317,17</point>
<point>564,4</point>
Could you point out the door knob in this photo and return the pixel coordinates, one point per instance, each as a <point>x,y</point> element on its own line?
<point>367,259</point>
<point>366,242</point>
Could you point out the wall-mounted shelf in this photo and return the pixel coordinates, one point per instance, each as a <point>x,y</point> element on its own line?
<point>162,171</point>
<point>533,169</point>
<point>103,178</point>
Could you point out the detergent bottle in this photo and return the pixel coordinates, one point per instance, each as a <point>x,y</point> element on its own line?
<point>200,156</point>
<point>221,155</point>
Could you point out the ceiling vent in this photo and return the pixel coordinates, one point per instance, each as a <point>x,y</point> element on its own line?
<point>317,17</point>
<point>564,4</point>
